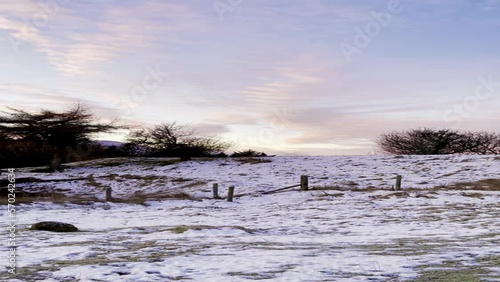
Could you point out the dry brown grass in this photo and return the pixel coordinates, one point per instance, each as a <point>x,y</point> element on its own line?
<point>53,197</point>
<point>473,195</point>
<point>157,196</point>
<point>194,184</point>
<point>351,189</point>
<point>398,194</point>
<point>481,185</point>
<point>139,197</point>
<point>253,160</point>
<point>180,179</point>
<point>47,194</point>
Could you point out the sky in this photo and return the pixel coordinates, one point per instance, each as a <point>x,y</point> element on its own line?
<point>315,77</point>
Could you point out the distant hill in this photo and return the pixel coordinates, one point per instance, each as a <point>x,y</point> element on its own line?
<point>108,143</point>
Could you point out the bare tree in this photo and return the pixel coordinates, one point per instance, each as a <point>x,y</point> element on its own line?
<point>58,132</point>
<point>437,142</point>
<point>176,140</point>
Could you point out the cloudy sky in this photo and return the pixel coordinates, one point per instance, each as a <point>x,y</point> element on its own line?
<point>318,77</point>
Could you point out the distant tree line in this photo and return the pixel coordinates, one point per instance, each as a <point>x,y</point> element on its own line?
<point>426,141</point>
<point>53,138</point>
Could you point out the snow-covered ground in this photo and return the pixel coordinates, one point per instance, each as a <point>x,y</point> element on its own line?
<point>355,229</point>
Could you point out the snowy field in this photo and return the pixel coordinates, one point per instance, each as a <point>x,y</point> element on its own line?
<point>351,226</point>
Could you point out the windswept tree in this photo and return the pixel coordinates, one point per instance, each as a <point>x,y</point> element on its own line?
<point>175,140</point>
<point>428,141</point>
<point>61,135</point>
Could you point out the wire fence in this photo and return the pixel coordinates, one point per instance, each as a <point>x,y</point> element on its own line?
<point>305,185</point>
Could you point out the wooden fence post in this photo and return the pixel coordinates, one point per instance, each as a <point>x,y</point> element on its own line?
<point>215,190</point>
<point>398,183</point>
<point>304,183</point>
<point>108,194</point>
<point>230,194</point>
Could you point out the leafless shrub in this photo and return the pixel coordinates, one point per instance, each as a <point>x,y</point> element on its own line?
<point>438,142</point>
<point>175,140</point>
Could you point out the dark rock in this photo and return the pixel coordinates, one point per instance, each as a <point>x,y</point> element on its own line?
<point>54,226</point>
